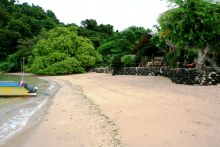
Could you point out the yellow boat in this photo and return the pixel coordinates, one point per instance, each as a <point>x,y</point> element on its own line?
<point>13,89</point>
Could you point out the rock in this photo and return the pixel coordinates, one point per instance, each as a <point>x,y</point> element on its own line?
<point>177,75</point>
<point>196,78</point>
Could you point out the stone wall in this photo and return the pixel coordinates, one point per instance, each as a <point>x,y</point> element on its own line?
<point>102,70</point>
<point>189,76</point>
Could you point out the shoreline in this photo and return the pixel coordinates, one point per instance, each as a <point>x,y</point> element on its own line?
<point>102,110</point>
<point>35,108</point>
<point>105,128</point>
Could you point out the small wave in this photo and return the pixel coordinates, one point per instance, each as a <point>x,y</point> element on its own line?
<point>15,124</point>
<point>18,122</point>
<point>51,87</point>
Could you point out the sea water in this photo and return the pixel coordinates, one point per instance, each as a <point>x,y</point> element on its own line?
<point>18,113</point>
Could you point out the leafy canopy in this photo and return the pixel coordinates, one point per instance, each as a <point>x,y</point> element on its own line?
<point>120,44</point>
<point>64,52</point>
<point>96,33</point>
<point>128,60</point>
<point>19,24</point>
<point>193,24</point>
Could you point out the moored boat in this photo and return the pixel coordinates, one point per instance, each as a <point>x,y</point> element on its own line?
<point>15,89</point>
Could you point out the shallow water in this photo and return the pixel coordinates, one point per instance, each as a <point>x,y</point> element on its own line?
<point>16,113</point>
<point>6,103</point>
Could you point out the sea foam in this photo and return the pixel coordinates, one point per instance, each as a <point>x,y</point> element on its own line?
<point>16,123</point>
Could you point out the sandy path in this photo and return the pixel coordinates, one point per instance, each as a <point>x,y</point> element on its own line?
<point>149,111</point>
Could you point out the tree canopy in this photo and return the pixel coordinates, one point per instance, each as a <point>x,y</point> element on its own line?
<point>63,52</point>
<point>189,30</point>
<point>96,33</point>
<point>120,44</point>
<point>192,24</point>
<point>18,23</point>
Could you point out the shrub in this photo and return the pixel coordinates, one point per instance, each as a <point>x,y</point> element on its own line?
<point>172,59</point>
<point>64,52</point>
<point>116,60</point>
<point>128,60</point>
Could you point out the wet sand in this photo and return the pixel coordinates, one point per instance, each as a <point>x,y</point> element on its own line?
<point>92,110</point>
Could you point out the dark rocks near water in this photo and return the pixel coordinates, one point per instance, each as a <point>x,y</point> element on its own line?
<point>188,76</point>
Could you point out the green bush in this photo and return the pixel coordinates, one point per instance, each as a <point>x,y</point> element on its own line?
<point>69,65</point>
<point>128,60</point>
<point>9,64</point>
<point>172,59</point>
<point>64,52</point>
<point>116,60</point>
<point>191,54</point>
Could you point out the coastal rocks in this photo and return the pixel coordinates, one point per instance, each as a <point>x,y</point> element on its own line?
<point>194,76</point>
<point>207,78</point>
<point>188,76</point>
<point>183,76</point>
<point>151,71</point>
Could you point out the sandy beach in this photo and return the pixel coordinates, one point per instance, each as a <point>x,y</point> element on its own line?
<point>101,110</point>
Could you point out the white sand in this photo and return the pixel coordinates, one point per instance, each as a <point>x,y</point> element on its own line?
<point>148,111</point>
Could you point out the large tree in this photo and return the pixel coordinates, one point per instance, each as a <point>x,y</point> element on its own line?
<point>192,24</point>
<point>120,44</point>
<point>63,52</point>
<point>19,24</point>
<point>96,33</point>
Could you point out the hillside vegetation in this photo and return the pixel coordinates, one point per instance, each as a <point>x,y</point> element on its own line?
<point>187,33</point>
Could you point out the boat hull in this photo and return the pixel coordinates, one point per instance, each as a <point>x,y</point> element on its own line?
<point>14,91</point>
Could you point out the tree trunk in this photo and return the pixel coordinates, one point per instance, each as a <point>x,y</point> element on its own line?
<point>201,56</point>
<point>171,45</point>
<point>153,59</point>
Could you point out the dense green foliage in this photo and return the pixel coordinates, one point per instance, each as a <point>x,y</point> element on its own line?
<point>120,44</point>
<point>96,33</point>
<point>19,23</point>
<point>187,33</point>
<point>193,24</point>
<point>63,52</point>
<point>128,60</point>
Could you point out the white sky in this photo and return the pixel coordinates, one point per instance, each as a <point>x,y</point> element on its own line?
<point>119,13</point>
